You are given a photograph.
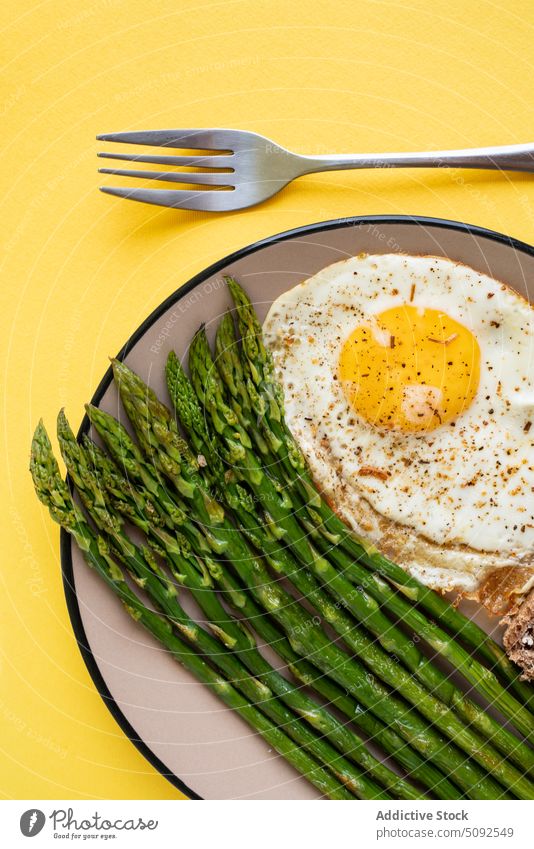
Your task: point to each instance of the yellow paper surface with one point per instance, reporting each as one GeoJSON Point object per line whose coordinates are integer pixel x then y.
{"type": "Point", "coordinates": [82, 270]}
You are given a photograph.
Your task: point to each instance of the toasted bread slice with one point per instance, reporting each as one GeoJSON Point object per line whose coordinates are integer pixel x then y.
{"type": "Point", "coordinates": [518, 638]}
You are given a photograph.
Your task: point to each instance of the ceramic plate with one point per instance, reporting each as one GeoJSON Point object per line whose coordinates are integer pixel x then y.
{"type": "Point", "coordinates": [181, 728]}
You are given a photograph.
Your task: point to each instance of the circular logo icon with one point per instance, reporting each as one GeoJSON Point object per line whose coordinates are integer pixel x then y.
{"type": "Point", "coordinates": [31, 822]}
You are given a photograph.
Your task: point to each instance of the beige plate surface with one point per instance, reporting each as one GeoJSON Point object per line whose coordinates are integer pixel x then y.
{"type": "Point", "coordinates": [180, 726]}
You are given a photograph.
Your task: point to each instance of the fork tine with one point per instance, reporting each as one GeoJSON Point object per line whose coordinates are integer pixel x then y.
{"type": "Point", "coordinates": [201, 161]}
{"type": "Point", "coordinates": [192, 177]}
{"type": "Point", "coordinates": [202, 139]}
{"type": "Point", "coordinates": [175, 198]}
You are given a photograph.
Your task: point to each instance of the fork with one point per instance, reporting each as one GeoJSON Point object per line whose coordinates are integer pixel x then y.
{"type": "Point", "coordinates": [246, 168]}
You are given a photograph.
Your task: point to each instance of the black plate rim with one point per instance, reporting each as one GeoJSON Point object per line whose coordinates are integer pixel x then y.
{"type": "Point", "coordinates": [65, 541]}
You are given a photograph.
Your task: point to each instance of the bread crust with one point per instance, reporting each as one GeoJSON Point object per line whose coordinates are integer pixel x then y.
{"type": "Point", "coordinates": [518, 637]}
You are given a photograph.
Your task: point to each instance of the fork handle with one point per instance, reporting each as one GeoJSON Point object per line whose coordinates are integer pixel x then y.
{"type": "Point", "coordinates": [512, 157]}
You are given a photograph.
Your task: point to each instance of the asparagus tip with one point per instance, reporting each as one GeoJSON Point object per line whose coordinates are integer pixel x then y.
{"type": "Point", "coordinates": [64, 430]}
{"type": "Point", "coordinates": [124, 374]}
{"type": "Point", "coordinates": [94, 413]}
{"type": "Point", "coordinates": [119, 367]}
{"type": "Point", "coordinates": [226, 325]}
{"type": "Point", "coordinates": [40, 441]}
{"type": "Point", "coordinates": [40, 438]}
{"type": "Point", "coordinates": [198, 346]}
{"type": "Point", "coordinates": [239, 296]}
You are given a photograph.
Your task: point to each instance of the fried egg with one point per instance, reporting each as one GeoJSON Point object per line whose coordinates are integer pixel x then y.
{"type": "Point", "coordinates": [408, 386]}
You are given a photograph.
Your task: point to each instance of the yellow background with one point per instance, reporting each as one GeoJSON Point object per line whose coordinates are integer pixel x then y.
{"type": "Point", "coordinates": [81, 270]}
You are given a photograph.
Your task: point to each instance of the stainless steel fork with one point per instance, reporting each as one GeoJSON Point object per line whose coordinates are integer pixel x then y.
{"type": "Point", "coordinates": [252, 168]}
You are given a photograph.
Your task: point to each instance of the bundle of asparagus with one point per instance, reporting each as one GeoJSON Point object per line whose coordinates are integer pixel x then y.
{"type": "Point", "coordinates": [229, 510]}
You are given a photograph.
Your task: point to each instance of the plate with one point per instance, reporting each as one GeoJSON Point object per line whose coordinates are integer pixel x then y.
{"type": "Point", "coordinates": [203, 748]}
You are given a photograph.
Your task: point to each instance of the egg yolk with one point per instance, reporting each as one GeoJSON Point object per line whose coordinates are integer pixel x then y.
{"type": "Point", "coordinates": [410, 369]}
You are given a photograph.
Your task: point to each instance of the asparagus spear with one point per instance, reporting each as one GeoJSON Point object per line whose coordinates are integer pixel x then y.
{"type": "Point", "coordinates": [55, 495]}
{"type": "Point", "coordinates": [157, 433]}
{"type": "Point", "coordinates": [211, 393]}
{"type": "Point", "coordinates": [267, 398]}
{"type": "Point", "coordinates": [128, 457]}
{"type": "Point", "coordinates": [391, 637]}
{"type": "Point", "coordinates": [105, 482]}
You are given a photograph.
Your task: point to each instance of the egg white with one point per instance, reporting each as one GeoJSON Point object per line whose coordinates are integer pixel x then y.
{"type": "Point", "coordinates": [458, 501]}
